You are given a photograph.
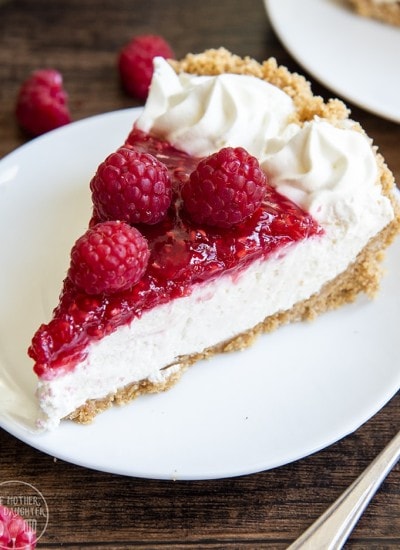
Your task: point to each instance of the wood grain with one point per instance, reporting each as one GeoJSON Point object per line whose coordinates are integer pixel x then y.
{"type": "Point", "coordinates": [96, 510]}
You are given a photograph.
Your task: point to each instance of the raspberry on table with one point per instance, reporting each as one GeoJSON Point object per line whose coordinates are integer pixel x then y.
{"type": "Point", "coordinates": [135, 62]}
{"type": "Point", "coordinates": [226, 188]}
{"type": "Point", "coordinates": [131, 186]}
{"type": "Point", "coordinates": [15, 531]}
{"type": "Point", "coordinates": [109, 257]}
{"type": "Point", "coordinates": [42, 103]}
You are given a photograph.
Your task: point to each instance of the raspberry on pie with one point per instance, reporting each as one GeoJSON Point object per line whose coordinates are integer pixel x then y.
{"type": "Point", "coordinates": [131, 186]}
{"type": "Point", "coordinates": [225, 188]}
{"type": "Point", "coordinates": [110, 257]}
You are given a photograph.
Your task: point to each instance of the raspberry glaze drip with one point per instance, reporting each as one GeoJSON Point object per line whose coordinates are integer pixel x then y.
{"type": "Point", "coordinates": [181, 254]}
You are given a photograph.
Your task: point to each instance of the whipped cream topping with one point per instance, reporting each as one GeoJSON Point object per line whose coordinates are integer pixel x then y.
{"type": "Point", "coordinates": [331, 173]}
{"type": "Point", "coordinates": [202, 114]}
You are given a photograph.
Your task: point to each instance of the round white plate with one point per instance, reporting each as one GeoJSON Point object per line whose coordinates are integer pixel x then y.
{"type": "Point", "coordinates": [356, 57]}
{"type": "Point", "coordinates": [296, 391]}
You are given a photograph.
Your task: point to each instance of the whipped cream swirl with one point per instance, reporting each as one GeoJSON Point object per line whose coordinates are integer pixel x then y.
{"type": "Point", "coordinates": [202, 114]}
{"type": "Point", "coordinates": [330, 172]}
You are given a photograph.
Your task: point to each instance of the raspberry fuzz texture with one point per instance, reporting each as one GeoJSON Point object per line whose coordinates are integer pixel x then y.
{"type": "Point", "coordinates": [14, 531]}
{"type": "Point", "coordinates": [42, 103]}
{"type": "Point", "coordinates": [109, 257]}
{"type": "Point", "coordinates": [226, 188]}
{"type": "Point", "coordinates": [131, 186]}
{"type": "Point", "coordinates": [135, 62]}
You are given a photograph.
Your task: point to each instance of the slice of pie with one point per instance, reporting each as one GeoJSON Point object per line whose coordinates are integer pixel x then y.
{"type": "Point", "coordinates": [207, 283]}
{"type": "Point", "coordinates": [383, 10]}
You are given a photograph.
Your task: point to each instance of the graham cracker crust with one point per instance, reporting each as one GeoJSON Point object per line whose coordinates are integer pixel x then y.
{"type": "Point", "coordinates": [87, 412]}
{"type": "Point", "coordinates": [386, 12]}
{"type": "Point", "coordinates": [363, 276]}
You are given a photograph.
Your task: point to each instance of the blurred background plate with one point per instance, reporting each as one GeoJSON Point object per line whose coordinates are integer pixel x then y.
{"type": "Point", "coordinates": [355, 57]}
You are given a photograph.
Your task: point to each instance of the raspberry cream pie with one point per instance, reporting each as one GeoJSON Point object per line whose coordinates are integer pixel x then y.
{"type": "Point", "coordinates": [239, 202]}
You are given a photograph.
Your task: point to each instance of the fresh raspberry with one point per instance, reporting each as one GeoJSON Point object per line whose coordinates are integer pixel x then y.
{"type": "Point", "coordinates": [131, 186]}
{"type": "Point", "coordinates": [42, 103]}
{"type": "Point", "coordinates": [226, 188]}
{"type": "Point", "coordinates": [14, 531]}
{"type": "Point", "coordinates": [135, 62]}
{"type": "Point", "coordinates": [109, 257]}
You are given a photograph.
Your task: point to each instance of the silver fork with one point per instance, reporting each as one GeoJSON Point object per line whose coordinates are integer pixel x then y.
{"type": "Point", "coordinates": [331, 530]}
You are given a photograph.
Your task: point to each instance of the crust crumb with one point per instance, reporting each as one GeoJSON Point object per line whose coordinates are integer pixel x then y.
{"type": "Point", "coordinates": [386, 12]}
{"type": "Point", "coordinates": [87, 412]}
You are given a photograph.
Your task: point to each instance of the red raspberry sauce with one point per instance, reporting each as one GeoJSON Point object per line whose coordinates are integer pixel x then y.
{"type": "Point", "coordinates": [181, 255]}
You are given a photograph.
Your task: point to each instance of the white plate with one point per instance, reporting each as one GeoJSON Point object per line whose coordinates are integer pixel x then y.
{"type": "Point", "coordinates": [296, 391]}
{"type": "Point", "coordinates": [356, 57]}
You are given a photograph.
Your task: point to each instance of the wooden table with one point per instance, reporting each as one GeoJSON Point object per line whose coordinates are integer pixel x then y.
{"type": "Point", "coordinates": [90, 509]}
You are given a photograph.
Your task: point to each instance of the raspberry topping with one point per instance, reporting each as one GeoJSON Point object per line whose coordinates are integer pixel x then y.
{"type": "Point", "coordinates": [109, 257]}
{"type": "Point", "coordinates": [135, 62]}
{"type": "Point", "coordinates": [14, 531]}
{"type": "Point", "coordinates": [42, 103]}
{"type": "Point", "coordinates": [131, 186]}
{"type": "Point", "coordinates": [225, 189]}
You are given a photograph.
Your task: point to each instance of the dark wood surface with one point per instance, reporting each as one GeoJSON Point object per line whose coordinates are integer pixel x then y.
{"type": "Point", "coordinates": [90, 509]}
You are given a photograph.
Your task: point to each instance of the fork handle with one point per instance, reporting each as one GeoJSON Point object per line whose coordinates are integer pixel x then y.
{"type": "Point", "coordinates": [331, 530]}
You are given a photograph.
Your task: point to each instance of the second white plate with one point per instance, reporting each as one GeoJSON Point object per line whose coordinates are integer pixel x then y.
{"type": "Point", "coordinates": [357, 58]}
